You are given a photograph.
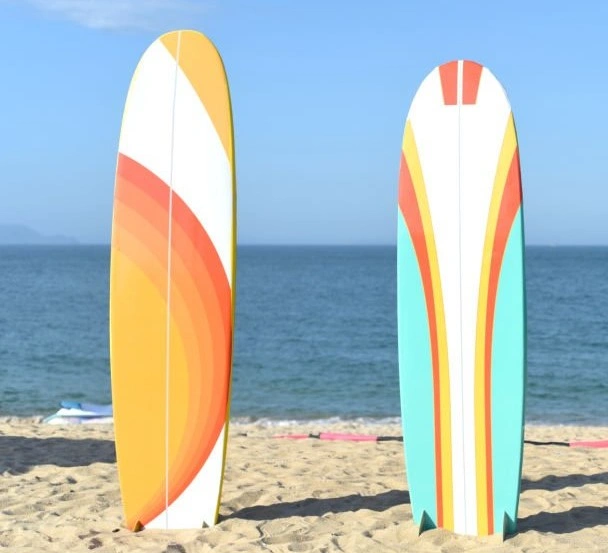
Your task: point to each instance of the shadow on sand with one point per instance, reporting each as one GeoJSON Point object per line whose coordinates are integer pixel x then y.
{"type": "Point", "coordinates": [553, 483]}
{"type": "Point", "coordinates": [318, 507]}
{"type": "Point", "coordinates": [566, 522]}
{"type": "Point", "coordinates": [20, 454]}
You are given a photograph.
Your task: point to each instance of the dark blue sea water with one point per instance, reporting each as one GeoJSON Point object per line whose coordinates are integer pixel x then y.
{"type": "Point", "coordinates": [315, 334]}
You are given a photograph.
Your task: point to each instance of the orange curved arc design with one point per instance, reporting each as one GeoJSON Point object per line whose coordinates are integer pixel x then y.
{"type": "Point", "coordinates": [201, 331]}
{"type": "Point", "coordinates": [196, 52]}
{"type": "Point", "coordinates": [415, 211]}
{"type": "Point", "coordinates": [505, 203]}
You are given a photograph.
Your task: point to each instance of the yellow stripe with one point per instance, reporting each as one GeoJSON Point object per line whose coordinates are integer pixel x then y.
{"type": "Point", "coordinates": [506, 155]}
{"type": "Point", "coordinates": [202, 65]}
{"type": "Point", "coordinates": [233, 314]}
{"type": "Point", "coordinates": [411, 154]}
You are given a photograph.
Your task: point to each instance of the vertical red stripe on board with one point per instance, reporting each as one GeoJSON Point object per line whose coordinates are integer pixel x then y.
{"type": "Point", "coordinates": [410, 210]}
{"type": "Point", "coordinates": [509, 205]}
{"type": "Point", "coordinates": [471, 75]}
{"type": "Point", "coordinates": [448, 72]}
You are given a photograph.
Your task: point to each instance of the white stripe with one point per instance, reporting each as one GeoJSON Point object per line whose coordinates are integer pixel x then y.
{"type": "Point", "coordinates": [461, 526]}
{"type": "Point", "coordinates": [481, 134]}
{"type": "Point", "coordinates": [202, 171]}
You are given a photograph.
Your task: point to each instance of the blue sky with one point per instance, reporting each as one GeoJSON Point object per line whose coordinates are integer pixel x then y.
{"type": "Point", "coordinates": [320, 92]}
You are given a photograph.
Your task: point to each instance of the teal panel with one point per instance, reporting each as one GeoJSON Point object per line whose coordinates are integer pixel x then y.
{"type": "Point", "coordinates": [509, 379]}
{"type": "Point", "coordinates": [415, 379]}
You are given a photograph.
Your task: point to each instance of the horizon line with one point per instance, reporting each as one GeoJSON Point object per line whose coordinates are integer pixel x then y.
{"type": "Point", "coordinates": [304, 244]}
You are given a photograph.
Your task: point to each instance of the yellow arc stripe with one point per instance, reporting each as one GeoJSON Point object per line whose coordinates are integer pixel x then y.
{"type": "Point", "coordinates": [504, 161]}
{"type": "Point", "coordinates": [231, 157]}
{"type": "Point", "coordinates": [411, 154]}
{"type": "Point", "coordinates": [204, 69]}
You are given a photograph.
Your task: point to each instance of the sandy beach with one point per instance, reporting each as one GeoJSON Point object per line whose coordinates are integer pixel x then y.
{"type": "Point", "coordinates": [59, 492]}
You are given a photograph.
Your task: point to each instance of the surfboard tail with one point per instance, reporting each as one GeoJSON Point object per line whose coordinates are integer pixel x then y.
{"type": "Point", "coordinates": [509, 526]}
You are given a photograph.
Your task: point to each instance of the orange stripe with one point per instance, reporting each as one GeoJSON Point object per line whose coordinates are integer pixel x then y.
{"type": "Point", "coordinates": [202, 65]}
{"type": "Point", "coordinates": [408, 204]}
{"type": "Point", "coordinates": [448, 73]}
{"type": "Point", "coordinates": [471, 75]}
{"type": "Point", "coordinates": [510, 203]}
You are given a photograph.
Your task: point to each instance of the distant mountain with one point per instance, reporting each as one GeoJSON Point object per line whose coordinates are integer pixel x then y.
{"type": "Point", "coordinates": [22, 235]}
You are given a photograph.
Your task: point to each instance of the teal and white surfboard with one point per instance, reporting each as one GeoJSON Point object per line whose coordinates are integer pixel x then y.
{"type": "Point", "coordinates": [461, 303]}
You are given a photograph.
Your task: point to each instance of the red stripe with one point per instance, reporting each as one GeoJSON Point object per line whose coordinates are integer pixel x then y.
{"type": "Point", "coordinates": [509, 205]}
{"type": "Point", "coordinates": [144, 179]}
{"type": "Point", "coordinates": [448, 72]}
{"type": "Point", "coordinates": [410, 210]}
{"type": "Point", "coordinates": [471, 75]}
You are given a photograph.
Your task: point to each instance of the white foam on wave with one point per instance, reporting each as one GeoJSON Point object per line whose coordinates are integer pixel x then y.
{"type": "Point", "coordinates": [264, 422]}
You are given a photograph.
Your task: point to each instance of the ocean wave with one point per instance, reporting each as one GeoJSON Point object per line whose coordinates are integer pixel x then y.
{"type": "Point", "coordinates": [267, 422]}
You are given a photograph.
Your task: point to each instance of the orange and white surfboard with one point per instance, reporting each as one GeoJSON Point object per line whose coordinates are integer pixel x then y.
{"type": "Point", "coordinates": [172, 285]}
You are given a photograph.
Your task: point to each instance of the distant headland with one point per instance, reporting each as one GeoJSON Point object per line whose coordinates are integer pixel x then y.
{"type": "Point", "coordinates": [23, 235]}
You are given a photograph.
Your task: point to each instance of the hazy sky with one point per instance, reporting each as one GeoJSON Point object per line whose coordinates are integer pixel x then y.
{"type": "Point", "coordinates": [320, 92]}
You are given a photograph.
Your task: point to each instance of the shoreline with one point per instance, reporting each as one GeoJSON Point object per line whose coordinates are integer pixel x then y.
{"type": "Point", "coordinates": [266, 422]}
{"type": "Point", "coordinates": [60, 492]}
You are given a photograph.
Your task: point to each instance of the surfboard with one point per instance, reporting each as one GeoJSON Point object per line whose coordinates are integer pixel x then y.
{"type": "Point", "coordinates": [461, 303]}
{"type": "Point", "coordinates": [172, 281]}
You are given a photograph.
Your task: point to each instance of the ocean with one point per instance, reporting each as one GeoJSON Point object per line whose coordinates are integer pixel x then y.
{"type": "Point", "coordinates": [316, 332]}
